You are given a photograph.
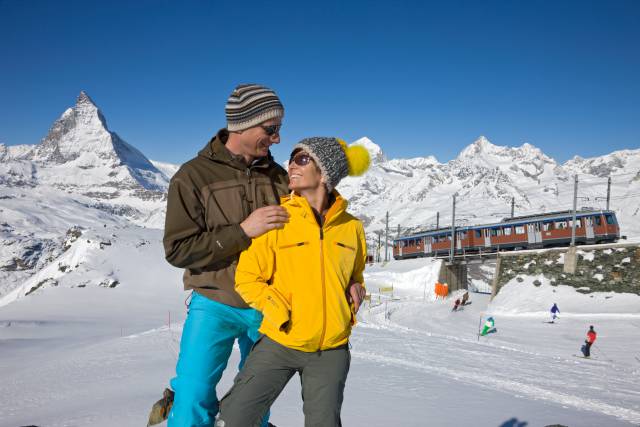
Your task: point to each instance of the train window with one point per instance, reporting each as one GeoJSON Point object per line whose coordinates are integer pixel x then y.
{"type": "Point", "coordinates": [598, 220]}
{"type": "Point", "coordinates": [520, 229]}
{"type": "Point", "coordinates": [560, 225]}
{"type": "Point", "coordinates": [609, 219]}
{"type": "Point", "coordinates": [507, 231]}
{"type": "Point", "coordinates": [478, 234]}
{"type": "Point", "coordinates": [546, 226]}
{"type": "Point", "coordinates": [499, 232]}
{"type": "Point", "coordinates": [494, 232]}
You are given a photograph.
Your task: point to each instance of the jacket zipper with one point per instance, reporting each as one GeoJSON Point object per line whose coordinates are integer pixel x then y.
{"type": "Point", "coordinates": [324, 291]}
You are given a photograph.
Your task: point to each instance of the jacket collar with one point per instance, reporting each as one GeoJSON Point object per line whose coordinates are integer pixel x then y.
{"type": "Point", "coordinates": [300, 204]}
{"type": "Point", "coordinates": [217, 151]}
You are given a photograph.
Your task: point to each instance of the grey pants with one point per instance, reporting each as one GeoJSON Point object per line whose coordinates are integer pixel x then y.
{"type": "Point", "coordinates": [267, 371]}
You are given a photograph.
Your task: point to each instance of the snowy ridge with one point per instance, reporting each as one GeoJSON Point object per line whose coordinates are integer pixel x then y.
{"type": "Point", "coordinates": [489, 176]}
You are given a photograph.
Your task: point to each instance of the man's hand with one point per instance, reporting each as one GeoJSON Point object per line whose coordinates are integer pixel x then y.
{"type": "Point", "coordinates": [356, 293]}
{"type": "Point", "coordinates": [264, 219]}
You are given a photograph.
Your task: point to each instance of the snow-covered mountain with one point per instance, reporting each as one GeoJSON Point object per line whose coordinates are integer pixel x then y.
{"type": "Point", "coordinates": [81, 155]}
{"type": "Point", "coordinates": [486, 178]}
{"type": "Point", "coordinates": [82, 179]}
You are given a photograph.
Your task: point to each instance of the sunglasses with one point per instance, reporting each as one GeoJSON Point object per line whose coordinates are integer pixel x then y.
{"type": "Point", "coordinates": [271, 129]}
{"type": "Point", "coordinates": [301, 159]}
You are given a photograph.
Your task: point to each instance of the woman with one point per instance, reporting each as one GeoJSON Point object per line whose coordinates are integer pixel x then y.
{"type": "Point", "coordinates": [297, 277]}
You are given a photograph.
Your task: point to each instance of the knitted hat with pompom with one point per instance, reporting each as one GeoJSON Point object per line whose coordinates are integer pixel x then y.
{"type": "Point", "coordinates": [335, 158]}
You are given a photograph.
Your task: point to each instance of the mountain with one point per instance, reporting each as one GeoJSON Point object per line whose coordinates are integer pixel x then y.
{"type": "Point", "coordinates": [68, 202]}
{"type": "Point", "coordinates": [80, 178]}
{"type": "Point", "coordinates": [486, 178]}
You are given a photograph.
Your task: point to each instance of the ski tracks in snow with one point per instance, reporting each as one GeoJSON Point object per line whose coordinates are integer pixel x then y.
{"type": "Point", "coordinates": [519, 372]}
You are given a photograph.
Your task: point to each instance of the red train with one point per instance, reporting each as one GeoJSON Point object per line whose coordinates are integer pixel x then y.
{"type": "Point", "coordinates": [525, 232]}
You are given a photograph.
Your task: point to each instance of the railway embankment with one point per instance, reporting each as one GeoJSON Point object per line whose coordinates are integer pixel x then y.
{"type": "Point", "coordinates": [594, 268]}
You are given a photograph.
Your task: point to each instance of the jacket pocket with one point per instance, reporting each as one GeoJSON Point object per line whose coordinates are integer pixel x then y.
{"type": "Point", "coordinates": [344, 245]}
{"type": "Point", "coordinates": [292, 245]}
{"type": "Point", "coordinates": [226, 204]}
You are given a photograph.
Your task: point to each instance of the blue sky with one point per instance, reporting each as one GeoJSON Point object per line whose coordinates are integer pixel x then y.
{"type": "Point", "coordinates": [418, 78]}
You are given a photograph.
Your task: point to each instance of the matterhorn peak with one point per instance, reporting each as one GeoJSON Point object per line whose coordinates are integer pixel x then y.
{"type": "Point", "coordinates": [83, 98]}
{"type": "Point", "coordinates": [80, 129]}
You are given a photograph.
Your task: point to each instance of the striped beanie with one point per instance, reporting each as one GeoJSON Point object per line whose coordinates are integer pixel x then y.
{"type": "Point", "coordinates": [335, 158]}
{"type": "Point", "coordinates": [252, 104]}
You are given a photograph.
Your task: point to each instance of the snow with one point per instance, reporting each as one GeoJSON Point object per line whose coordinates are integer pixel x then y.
{"type": "Point", "coordinates": [100, 356]}
{"type": "Point", "coordinates": [524, 298]}
{"type": "Point", "coordinates": [587, 255]}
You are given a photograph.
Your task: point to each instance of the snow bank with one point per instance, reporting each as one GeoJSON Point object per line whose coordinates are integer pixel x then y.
{"type": "Point", "coordinates": [535, 295]}
{"type": "Point", "coordinates": [415, 277]}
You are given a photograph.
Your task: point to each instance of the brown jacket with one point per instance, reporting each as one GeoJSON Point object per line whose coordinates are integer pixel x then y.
{"type": "Point", "coordinates": [209, 197]}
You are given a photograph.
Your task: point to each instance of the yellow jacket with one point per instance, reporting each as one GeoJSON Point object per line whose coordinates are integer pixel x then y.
{"type": "Point", "coordinates": [298, 276]}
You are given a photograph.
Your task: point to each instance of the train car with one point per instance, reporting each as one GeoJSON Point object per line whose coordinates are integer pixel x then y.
{"type": "Point", "coordinates": [525, 232]}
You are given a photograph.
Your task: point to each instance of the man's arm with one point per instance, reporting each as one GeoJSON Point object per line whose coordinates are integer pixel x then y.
{"type": "Point", "coordinates": [187, 243]}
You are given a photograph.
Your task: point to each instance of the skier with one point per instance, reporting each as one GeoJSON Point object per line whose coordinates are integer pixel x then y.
{"type": "Point", "coordinates": [465, 299]}
{"type": "Point", "coordinates": [489, 327]}
{"type": "Point", "coordinates": [456, 305]}
{"type": "Point", "coordinates": [591, 338]}
{"type": "Point", "coordinates": [554, 312]}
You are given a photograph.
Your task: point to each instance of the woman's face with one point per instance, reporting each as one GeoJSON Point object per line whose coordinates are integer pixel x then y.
{"type": "Point", "coordinates": [304, 174]}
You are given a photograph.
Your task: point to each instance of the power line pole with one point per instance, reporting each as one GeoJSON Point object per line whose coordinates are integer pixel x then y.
{"type": "Point", "coordinates": [608, 192]}
{"type": "Point", "coordinates": [453, 229]}
{"type": "Point", "coordinates": [386, 240]}
{"type": "Point", "coordinates": [575, 206]}
{"type": "Point", "coordinates": [437, 220]}
{"type": "Point", "coordinates": [513, 205]}
{"type": "Point", "coordinates": [398, 234]}
{"type": "Point", "coordinates": [379, 233]}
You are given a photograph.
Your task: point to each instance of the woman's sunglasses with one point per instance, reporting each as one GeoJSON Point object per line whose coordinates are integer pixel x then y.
{"type": "Point", "coordinates": [301, 159]}
{"type": "Point", "coordinates": [271, 129]}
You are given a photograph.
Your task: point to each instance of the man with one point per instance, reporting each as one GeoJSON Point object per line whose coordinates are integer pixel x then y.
{"type": "Point", "coordinates": [217, 203]}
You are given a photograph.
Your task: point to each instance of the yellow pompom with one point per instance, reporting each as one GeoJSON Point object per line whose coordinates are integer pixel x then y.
{"type": "Point", "coordinates": [358, 159]}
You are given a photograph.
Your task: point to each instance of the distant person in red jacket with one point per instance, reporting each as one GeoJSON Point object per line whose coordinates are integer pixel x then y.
{"type": "Point", "coordinates": [456, 305]}
{"type": "Point", "coordinates": [591, 338]}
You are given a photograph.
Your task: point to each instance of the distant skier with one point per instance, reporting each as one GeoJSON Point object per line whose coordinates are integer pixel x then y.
{"type": "Point", "coordinates": [456, 305]}
{"type": "Point", "coordinates": [591, 338]}
{"type": "Point", "coordinates": [465, 299]}
{"type": "Point", "coordinates": [489, 327]}
{"type": "Point", "coordinates": [554, 312]}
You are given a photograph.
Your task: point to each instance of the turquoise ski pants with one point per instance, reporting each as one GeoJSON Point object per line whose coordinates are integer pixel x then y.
{"type": "Point", "coordinates": [208, 335]}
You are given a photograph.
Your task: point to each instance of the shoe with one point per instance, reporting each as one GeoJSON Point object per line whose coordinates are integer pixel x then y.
{"type": "Point", "coordinates": [160, 410]}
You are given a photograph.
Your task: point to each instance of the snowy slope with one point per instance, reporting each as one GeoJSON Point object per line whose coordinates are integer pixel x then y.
{"type": "Point", "coordinates": [101, 356]}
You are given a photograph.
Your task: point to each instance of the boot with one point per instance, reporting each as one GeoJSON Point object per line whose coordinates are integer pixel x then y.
{"type": "Point", "coordinates": [160, 410]}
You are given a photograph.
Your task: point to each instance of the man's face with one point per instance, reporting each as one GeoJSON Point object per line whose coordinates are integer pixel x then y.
{"type": "Point", "coordinates": [256, 140]}
{"type": "Point", "coordinates": [303, 173]}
